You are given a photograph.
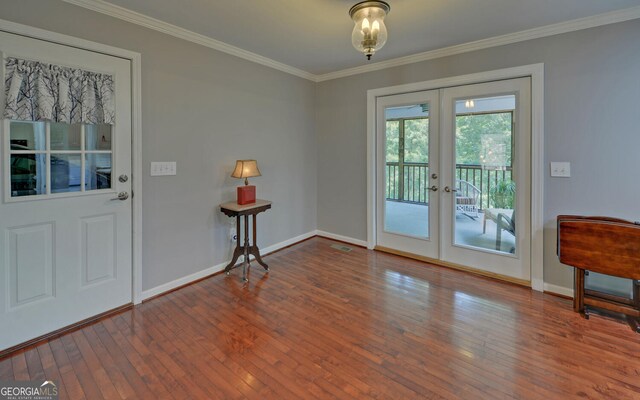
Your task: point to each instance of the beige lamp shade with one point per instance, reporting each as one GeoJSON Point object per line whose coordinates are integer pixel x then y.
{"type": "Point", "coordinates": [246, 169]}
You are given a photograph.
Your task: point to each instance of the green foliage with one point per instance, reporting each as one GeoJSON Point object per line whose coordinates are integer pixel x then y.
{"type": "Point", "coordinates": [484, 139]}
{"type": "Point", "coordinates": [416, 140]}
{"type": "Point", "coordinates": [393, 140]}
{"type": "Point", "coordinates": [502, 195]}
{"type": "Point", "coordinates": [480, 139]}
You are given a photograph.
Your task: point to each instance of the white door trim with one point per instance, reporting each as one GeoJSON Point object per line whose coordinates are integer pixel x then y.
{"type": "Point", "coordinates": [536, 72]}
{"type": "Point", "coordinates": [136, 128]}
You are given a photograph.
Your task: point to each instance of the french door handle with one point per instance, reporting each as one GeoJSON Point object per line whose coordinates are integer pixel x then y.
{"type": "Point", "coordinates": [122, 196]}
{"type": "Point", "coordinates": [449, 190]}
{"type": "Point", "coordinates": [433, 188]}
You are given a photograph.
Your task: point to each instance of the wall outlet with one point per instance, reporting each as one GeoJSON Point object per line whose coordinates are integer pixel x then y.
{"type": "Point", "coordinates": [561, 169]}
{"type": "Point", "coordinates": [164, 168]}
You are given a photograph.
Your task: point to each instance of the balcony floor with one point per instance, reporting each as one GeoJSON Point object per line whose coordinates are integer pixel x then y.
{"type": "Point", "coordinates": [412, 219]}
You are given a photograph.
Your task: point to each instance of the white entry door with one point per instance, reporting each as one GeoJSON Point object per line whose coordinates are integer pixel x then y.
{"type": "Point", "coordinates": [65, 243]}
{"type": "Point", "coordinates": [453, 176]}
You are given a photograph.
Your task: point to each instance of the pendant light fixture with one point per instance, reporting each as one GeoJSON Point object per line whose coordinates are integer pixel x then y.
{"type": "Point", "coordinates": [369, 33]}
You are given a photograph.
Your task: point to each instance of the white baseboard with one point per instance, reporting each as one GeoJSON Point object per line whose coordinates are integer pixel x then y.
{"type": "Point", "coordinates": [287, 242]}
{"type": "Point", "coordinates": [347, 239]}
{"type": "Point", "coordinates": [548, 287]}
{"type": "Point", "coordinates": [537, 284]}
{"type": "Point", "coordinates": [146, 294]}
{"type": "Point", "coordinates": [217, 268]}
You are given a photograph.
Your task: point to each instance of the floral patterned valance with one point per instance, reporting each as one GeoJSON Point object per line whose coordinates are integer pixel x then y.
{"type": "Point", "coordinates": [36, 91]}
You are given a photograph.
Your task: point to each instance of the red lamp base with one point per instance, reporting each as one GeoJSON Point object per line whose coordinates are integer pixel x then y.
{"type": "Point", "coordinates": [246, 194]}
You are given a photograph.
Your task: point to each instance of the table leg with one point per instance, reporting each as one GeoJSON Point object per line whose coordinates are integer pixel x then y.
{"type": "Point", "coordinates": [635, 322]}
{"type": "Point", "coordinates": [246, 246]}
{"type": "Point", "coordinates": [254, 249]}
{"type": "Point", "coordinates": [237, 251]}
{"type": "Point", "coordinates": [578, 295]}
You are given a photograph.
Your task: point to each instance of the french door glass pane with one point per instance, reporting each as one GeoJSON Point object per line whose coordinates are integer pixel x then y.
{"type": "Point", "coordinates": [485, 187]}
{"type": "Point", "coordinates": [66, 173]}
{"type": "Point", "coordinates": [407, 170]}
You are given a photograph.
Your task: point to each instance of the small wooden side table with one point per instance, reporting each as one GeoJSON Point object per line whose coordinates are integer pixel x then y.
{"type": "Point", "coordinates": [233, 209]}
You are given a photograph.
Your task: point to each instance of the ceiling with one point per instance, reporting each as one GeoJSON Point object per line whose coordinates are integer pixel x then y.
{"type": "Point", "coordinates": [315, 35]}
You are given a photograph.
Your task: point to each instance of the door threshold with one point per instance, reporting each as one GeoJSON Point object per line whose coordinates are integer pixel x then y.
{"type": "Point", "coordinates": [440, 263]}
{"type": "Point", "coordinates": [59, 332]}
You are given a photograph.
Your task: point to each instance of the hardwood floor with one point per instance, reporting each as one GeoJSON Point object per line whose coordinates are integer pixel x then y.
{"type": "Point", "coordinates": [327, 324]}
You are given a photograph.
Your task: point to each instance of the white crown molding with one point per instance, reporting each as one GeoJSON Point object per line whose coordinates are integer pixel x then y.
{"type": "Point", "coordinates": [125, 14]}
{"type": "Point", "coordinates": [173, 30]}
{"type": "Point", "coordinates": [535, 33]}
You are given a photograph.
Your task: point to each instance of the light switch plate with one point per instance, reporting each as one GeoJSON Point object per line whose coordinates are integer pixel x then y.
{"type": "Point", "coordinates": [561, 169]}
{"type": "Point", "coordinates": [163, 168]}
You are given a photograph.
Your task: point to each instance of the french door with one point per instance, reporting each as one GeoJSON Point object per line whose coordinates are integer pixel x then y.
{"type": "Point", "coordinates": [453, 176]}
{"type": "Point", "coordinates": [407, 137]}
{"type": "Point", "coordinates": [65, 208]}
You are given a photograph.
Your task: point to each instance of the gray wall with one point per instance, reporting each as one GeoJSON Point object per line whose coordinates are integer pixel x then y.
{"type": "Point", "coordinates": [203, 109]}
{"type": "Point", "coordinates": [592, 97]}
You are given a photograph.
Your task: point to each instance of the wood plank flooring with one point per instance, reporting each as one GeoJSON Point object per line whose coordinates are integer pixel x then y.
{"type": "Point", "coordinates": [325, 324]}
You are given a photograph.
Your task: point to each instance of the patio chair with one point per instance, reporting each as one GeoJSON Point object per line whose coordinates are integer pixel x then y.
{"type": "Point", "coordinates": [467, 199]}
{"type": "Point", "coordinates": [504, 223]}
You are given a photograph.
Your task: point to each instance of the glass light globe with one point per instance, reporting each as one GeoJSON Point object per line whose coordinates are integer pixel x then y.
{"type": "Point", "coordinates": [369, 33]}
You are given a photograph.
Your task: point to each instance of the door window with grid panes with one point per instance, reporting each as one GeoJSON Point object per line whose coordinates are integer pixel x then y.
{"type": "Point", "coordinates": [49, 159]}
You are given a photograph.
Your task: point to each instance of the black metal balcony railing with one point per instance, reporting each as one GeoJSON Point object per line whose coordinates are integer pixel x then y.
{"type": "Point", "coordinates": [414, 187]}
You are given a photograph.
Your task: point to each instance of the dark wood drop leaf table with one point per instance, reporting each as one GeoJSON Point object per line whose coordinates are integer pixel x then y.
{"type": "Point", "coordinates": [609, 246]}
{"type": "Point", "coordinates": [233, 209]}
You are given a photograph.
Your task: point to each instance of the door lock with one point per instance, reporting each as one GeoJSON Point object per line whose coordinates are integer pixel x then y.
{"type": "Point", "coordinates": [434, 176]}
{"type": "Point", "coordinates": [123, 178]}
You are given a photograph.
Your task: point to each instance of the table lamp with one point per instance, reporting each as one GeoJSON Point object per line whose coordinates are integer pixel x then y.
{"type": "Point", "coordinates": [246, 169]}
